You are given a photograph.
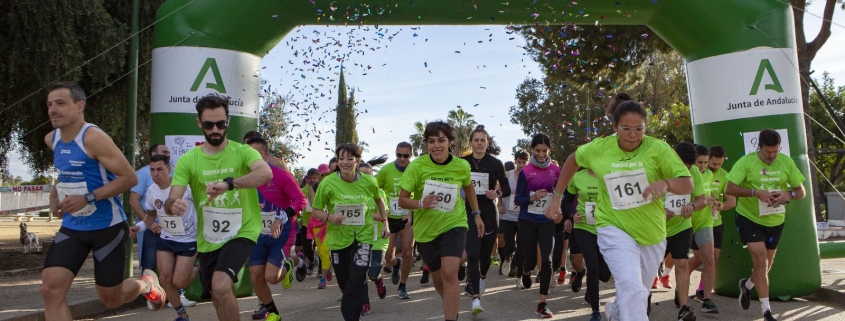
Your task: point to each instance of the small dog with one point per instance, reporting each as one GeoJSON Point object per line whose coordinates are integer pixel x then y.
{"type": "Point", "coordinates": [28, 239]}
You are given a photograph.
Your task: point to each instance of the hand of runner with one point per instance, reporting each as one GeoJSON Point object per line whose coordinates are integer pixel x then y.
{"type": "Point", "coordinates": [656, 190]}
{"type": "Point", "coordinates": [567, 226]}
{"type": "Point", "coordinates": [276, 228]}
{"type": "Point", "coordinates": [781, 197]}
{"type": "Point", "coordinates": [385, 230]}
{"type": "Point", "coordinates": [408, 219]}
{"type": "Point", "coordinates": [430, 201]}
{"type": "Point", "coordinates": [72, 203]}
{"type": "Point", "coordinates": [501, 208]}
{"type": "Point", "coordinates": [155, 228]}
{"type": "Point", "coordinates": [764, 196]}
{"type": "Point", "coordinates": [553, 210]}
{"type": "Point", "coordinates": [718, 205]}
{"type": "Point", "coordinates": [686, 210]}
{"type": "Point", "coordinates": [491, 194]}
{"type": "Point", "coordinates": [538, 195]}
{"type": "Point", "coordinates": [214, 189]}
{"type": "Point", "coordinates": [669, 214]}
{"type": "Point", "coordinates": [133, 231]}
{"type": "Point", "coordinates": [179, 207]}
{"type": "Point", "coordinates": [577, 218]}
{"type": "Point", "coordinates": [336, 219]}
{"type": "Point", "coordinates": [479, 224]}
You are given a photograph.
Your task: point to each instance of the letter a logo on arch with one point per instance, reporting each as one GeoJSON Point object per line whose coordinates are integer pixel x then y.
{"type": "Point", "coordinates": [766, 66]}
{"type": "Point", "coordinates": [210, 64]}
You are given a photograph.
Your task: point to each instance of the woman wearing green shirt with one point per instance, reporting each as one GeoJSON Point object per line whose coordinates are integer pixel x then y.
{"type": "Point", "coordinates": [635, 172]}
{"type": "Point", "coordinates": [440, 219]}
{"type": "Point", "coordinates": [349, 233]}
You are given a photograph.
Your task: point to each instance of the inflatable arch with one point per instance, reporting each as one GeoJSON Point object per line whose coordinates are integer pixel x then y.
{"type": "Point", "coordinates": [741, 70]}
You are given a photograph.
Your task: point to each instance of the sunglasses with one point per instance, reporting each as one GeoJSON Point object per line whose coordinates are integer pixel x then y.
{"type": "Point", "coordinates": [207, 125]}
{"type": "Point", "coordinates": [398, 155]}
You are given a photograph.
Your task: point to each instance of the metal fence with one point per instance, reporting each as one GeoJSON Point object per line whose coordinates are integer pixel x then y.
{"type": "Point", "coordinates": [23, 199]}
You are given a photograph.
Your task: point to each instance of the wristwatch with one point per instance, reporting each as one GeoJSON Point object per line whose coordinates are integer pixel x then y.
{"type": "Point", "coordinates": [791, 194]}
{"type": "Point", "coordinates": [231, 182]}
{"type": "Point", "coordinates": [90, 198]}
{"type": "Point", "coordinates": [476, 213]}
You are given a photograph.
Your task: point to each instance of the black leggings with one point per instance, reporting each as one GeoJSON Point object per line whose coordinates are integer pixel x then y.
{"type": "Point", "coordinates": [510, 250]}
{"type": "Point", "coordinates": [557, 251]}
{"type": "Point", "coordinates": [529, 235]}
{"type": "Point", "coordinates": [478, 249]}
{"type": "Point", "coordinates": [350, 268]}
{"type": "Point", "coordinates": [596, 266]}
{"type": "Point", "coordinates": [307, 245]}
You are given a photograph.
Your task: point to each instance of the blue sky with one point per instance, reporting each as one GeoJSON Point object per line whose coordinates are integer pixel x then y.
{"type": "Point", "coordinates": [412, 79]}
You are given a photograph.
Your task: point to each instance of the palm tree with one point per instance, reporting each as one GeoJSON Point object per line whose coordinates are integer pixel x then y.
{"type": "Point", "coordinates": [463, 123]}
{"type": "Point", "coordinates": [418, 139]}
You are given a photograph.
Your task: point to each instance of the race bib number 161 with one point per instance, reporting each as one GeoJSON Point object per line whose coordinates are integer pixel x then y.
{"type": "Point", "coordinates": [626, 189]}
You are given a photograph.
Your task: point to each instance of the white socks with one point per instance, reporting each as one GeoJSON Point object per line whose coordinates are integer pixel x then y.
{"type": "Point", "coordinates": [750, 285]}
{"type": "Point", "coordinates": [667, 271]}
{"type": "Point", "coordinates": [764, 303]}
{"type": "Point", "coordinates": [301, 262]}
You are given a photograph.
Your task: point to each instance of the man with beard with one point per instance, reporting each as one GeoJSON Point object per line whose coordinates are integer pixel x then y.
{"type": "Point", "coordinates": [223, 175]}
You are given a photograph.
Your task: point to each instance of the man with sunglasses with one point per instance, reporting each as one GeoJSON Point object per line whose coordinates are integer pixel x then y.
{"type": "Point", "coordinates": [223, 175]}
{"type": "Point", "coordinates": [399, 219]}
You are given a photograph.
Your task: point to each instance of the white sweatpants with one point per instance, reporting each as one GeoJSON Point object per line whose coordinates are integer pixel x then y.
{"type": "Point", "coordinates": [633, 280]}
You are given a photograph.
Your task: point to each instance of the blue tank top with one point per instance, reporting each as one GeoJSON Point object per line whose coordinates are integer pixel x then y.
{"type": "Point", "coordinates": [79, 175]}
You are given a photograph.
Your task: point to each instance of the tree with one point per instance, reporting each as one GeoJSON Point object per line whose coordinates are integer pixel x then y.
{"type": "Point", "coordinates": [806, 53]}
{"type": "Point", "coordinates": [673, 125]}
{"type": "Point", "coordinates": [81, 42]}
{"type": "Point", "coordinates": [829, 139]}
{"type": "Point", "coordinates": [417, 139]}
{"type": "Point", "coordinates": [346, 120]}
{"type": "Point", "coordinates": [38, 180]}
{"type": "Point", "coordinates": [463, 123]}
{"type": "Point", "coordinates": [274, 124]}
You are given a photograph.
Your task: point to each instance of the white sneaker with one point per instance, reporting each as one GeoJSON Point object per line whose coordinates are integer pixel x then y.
{"type": "Point", "coordinates": [150, 306]}
{"type": "Point", "coordinates": [481, 286]}
{"type": "Point", "coordinates": [519, 285]}
{"type": "Point", "coordinates": [608, 310]}
{"type": "Point", "coordinates": [476, 306]}
{"type": "Point", "coordinates": [185, 302]}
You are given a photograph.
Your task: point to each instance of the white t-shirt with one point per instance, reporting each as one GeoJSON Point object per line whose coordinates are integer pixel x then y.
{"type": "Point", "coordinates": [155, 198]}
{"type": "Point", "coordinates": [511, 211]}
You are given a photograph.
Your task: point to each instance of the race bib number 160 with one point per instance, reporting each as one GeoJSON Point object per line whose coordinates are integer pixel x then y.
{"type": "Point", "coordinates": [447, 194]}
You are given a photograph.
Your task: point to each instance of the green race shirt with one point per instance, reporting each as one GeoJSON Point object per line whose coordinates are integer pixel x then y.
{"type": "Point", "coordinates": [380, 243]}
{"type": "Point", "coordinates": [678, 223]}
{"type": "Point", "coordinates": [334, 191]}
{"type": "Point", "coordinates": [586, 187]}
{"type": "Point", "coordinates": [751, 172]}
{"type": "Point", "coordinates": [389, 178]}
{"type": "Point", "coordinates": [644, 222]}
{"type": "Point", "coordinates": [704, 217]}
{"type": "Point", "coordinates": [452, 177]}
{"type": "Point", "coordinates": [230, 215]}
{"type": "Point", "coordinates": [719, 185]}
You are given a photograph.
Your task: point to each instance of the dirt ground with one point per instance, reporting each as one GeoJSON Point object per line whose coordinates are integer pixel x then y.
{"type": "Point", "coordinates": [11, 250]}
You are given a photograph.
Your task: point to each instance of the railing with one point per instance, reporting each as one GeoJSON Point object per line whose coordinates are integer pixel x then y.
{"type": "Point", "coordinates": [23, 199]}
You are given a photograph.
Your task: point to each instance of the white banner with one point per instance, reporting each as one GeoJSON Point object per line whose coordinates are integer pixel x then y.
{"type": "Point", "coordinates": [750, 141]}
{"type": "Point", "coordinates": [182, 75]}
{"type": "Point", "coordinates": [751, 83]}
{"type": "Point", "coordinates": [181, 144]}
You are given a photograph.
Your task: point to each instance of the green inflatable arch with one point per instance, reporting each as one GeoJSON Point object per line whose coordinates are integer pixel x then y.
{"type": "Point", "coordinates": [741, 65]}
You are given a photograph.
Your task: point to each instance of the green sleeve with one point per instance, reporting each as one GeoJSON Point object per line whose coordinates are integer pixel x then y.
{"type": "Point", "coordinates": [380, 177]}
{"type": "Point", "coordinates": [250, 155]}
{"type": "Point", "coordinates": [697, 182]}
{"type": "Point", "coordinates": [581, 152]}
{"type": "Point", "coordinates": [795, 176]}
{"type": "Point", "coordinates": [671, 165]}
{"type": "Point", "coordinates": [321, 199]}
{"type": "Point", "coordinates": [737, 173]}
{"type": "Point", "coordinates": [182, 173]}
{"type": "Point", "coordinates": [409, 178]}
{"type": "Point", "coordinates": [373, 188]}
{"type": "Point", "coordinates": [465, 169]}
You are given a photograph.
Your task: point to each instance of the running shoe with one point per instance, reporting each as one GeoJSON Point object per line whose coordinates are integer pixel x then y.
{"type": "Point", "coordinates": [476, 306]}
{"type": "Point", "coordinates": [578, 280]}
{"type": "Point", "coordinates": [543, 311]}
{"type": "Point", "coordinates": [519, 285]}
{"type": "Point", "coordinates": [261, 314]}
{"type": "Point", "coordinates": [513, 271]}
{"type": "Point", "coordinates": [707, 306]}
{"type": "Point", "coordinates": [537, 278]}
{"type": "Point", "coordinates": [526, 280]}
{"type": "Point", "coordinates": [311, 267]}
{"type": "Point", "coordinates": [768, 316]}
{"type": "Point", "coordinates": [402, 293]}
{"type": "Point", "coordinates": [322, 284]}
{"type": "Point", "coordinates": [156, 296]}
{"type": "Point", "coordinates": [185, 301]}
{"type": "Point", "coordinates": [595, 316]}
{"type": "Point", "coordinates": [424, 278]}
{"type": "Point", "coordinates": [686, 314]}
{"type": "Point", "coordinates": [494, 260]}
{"type": "Point", "coordinates": [388, 268]}
{"type": "Point", "coordinates": [462, 272]}
{"type": "Point", "coordinates": [340, 297]}
{"type": "Point", "coordinates": [699, 296]}
{"type": "Point", "coordinates": [665, 282]}
{"type": "Point", "coordinates": [654, 285]}
{"type": "Point", "coordinates": [744, 295]}
{"type": "Point", "coordinates": [302, 270]}
{"type": "Point", "coordinates": [561, 277]}
{"type": "Point", "coordinates": [150, 306]}
{"type": "Point", "coordinates": [608, 310]}
{"type": "Point", "coordinates": [287, 279]}
{"type": "Point", "coordinates": [365, 309]}
{"type": "Point", "coordinates": [185, 319]}
{"type": "Point", "coordinates": [395, 274]}
{"type": "Point", "coordinates": [274, 317]}
{"type": "Point", "coordinates": [329, 274]}
{"type": "Point", "coordinates": [501, 267]}
{"type": "Point", "coordinates": [380, 288]}
{"type": "Point", "coordinates": [481, 285]}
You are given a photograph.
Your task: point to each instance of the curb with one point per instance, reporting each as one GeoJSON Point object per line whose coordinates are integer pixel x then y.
{"type": "Point", "coordinates": [85, 309]}
{"type": "Point", "coordinates": [18, 271]}
{"type": "Point", "coordinates": [829, 297]}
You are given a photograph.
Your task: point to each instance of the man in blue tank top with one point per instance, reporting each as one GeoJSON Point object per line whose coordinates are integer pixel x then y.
{"type": "Point", "coordinates": [92, 175]}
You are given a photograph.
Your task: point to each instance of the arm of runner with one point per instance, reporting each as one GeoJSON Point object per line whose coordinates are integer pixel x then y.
{"type": "Point", "coordinates": [736, 190]}
{"type": "Point", "coordinates": [570, 167]}
{"type": "Point", "coordinates": [502, 179]}
{"type": "Point", "coordinates": [729, 203]}
{"type": "Point", "coordinates": [469, 190]}
{"type": "Point", "coordinates": [54, 203]}
{"type": "Point", "coordinates": [175, 205]}
{"type": "Point", "coordinates": [291, 189]}
{"type": "Point", "coordinates": [135, 203]}
{"type": "Point", "coordinates": [278, 162]}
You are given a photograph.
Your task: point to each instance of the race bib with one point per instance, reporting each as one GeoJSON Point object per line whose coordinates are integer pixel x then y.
{"type": "Point", "coordinates": [714, 212]}
{"type": "Point", "coordinates": [590, 212]}
{"type": "Point", "coordinates": [481, 182]}
{"type": "Point", "coordinates": [539, 207]}
{"type": "Point", "coordinates": [675, 202]}
{"type": "Point", "coordinates": [447, 194]}
{"type": "Point", "coordinates": [353, 214]}
{"type": "Point", "coordinates": [73, 189]}
{"type": "Point", "coordinates": [766, 209]}
{"type": "Point", "coordinates": [626, 189]}
{"type": "Point", "coordinates": [267, 219]}
{"type": "Point", "coordinates": [172, 224]}
{"type": "Point", "coordinates": [221, 224]}
{"type": "Point", "coordinates": [307, 205]}
{"type": "Point", "coordinates": [395, 209]}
